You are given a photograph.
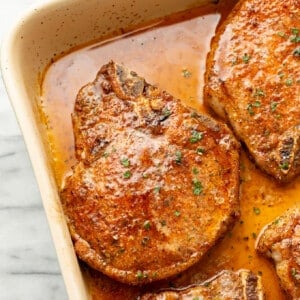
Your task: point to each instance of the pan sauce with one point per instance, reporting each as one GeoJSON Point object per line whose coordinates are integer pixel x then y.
{"type": "Point", "coordinates": [170, 53]}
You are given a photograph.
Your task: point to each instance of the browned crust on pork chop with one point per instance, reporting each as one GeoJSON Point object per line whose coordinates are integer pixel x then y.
{"type": "Point", "coordinates": [227, 285]}
{"type": "Point", "coordinates": [253, 81]}
{"type": "Point", "coordinates": [156, 183]}
{"type": "Point", "coordinates": [280, 240]}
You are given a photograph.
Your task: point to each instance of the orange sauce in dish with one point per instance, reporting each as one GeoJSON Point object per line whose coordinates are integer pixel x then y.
{"type": "Point", "coordinates": [171, 54]}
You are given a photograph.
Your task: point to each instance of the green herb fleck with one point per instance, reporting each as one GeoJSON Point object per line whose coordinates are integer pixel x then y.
{"type": "Point", "coordinates": [274, 105]}
{"type": "Point", "coordinates": [281, 34]}
{"type": "Point", "coordinates": [127, 174]}
{"type": "Point", "coordinates": [105, 154]}
{"type": "Point", "coordinates": [259, 93]}
{"type": "Point", "coordinates": [195, 171]}
{"type": "Point", "coordinates": [166, 112]}
{"type": "Point", "coordinates": [177, 213]}
{"type": "Point", "coordinates": [200, 151]}
{"type": "Point", "coordinates": [281, 75]}
{"type": "Point", "coordinates": [284, 166]}
{"type": "Point", "coordinates": [197, 187]}
{"type": "Point", "coordinates": [163, 223]}
{"type": "Point", "coordinates": [125, 162]}
{"type": "Point", "coordinates": [178, 157]}
{"type": "Point", "coordinates": [256, 104]}
{"type": "Point", "coordinates": [295, 39]}
{"type": "Point", "coordinates": [276, 222]}
{"type": "Point", "coordinates": [196, 136]}
{"type": "Point", "coordinates": [194, 114]}
{"type": "Point", "coordinates": [246, 58]}
{"type": "Point", "coordinates": [256, 210]}
{"type": "Point", "coordinates": [157, 189]}
{"type": "Point", "coordinates": [296, 52]}
{"type": "Point", "coordinates": [295, 31]}
{"type": "Point", "coordinates": [250, 109]}
{"type": "Point", "coordinates": [206, 284]}
{"type": "Point", "coordinates": [294, 273]}
{"type": "Point", "coordinates": [289, 82]}
{"type": "Point", "coordinates": [147, 225]}
{"type": "Point", "coordinates": [254, 235]}
{"type": "Point", "coordinates": [139, 275]}
{"type": "Point", "coordinates": [186, 73]}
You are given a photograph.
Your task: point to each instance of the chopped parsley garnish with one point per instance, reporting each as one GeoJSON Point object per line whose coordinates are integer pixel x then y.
{"type": "Point", "coordinates": [186, 73]}
{"type": "Point", "coordinates": [295, 31]}
{"type": "Point", "coordinates": [127, 174]}
{"type": "Point", "coordinates": [289, 82]}
{"type": "Point", "coordinates": [295, 39]}
{"type": "Point", "coordinates": [125, 162]}
{"type": "Point", "coordinates": [246, 58]}
{"type": "Point", "coordinates": [251, 105]}
{"type": "Point", "coordinates": [256, 210]}
{"type": "Point", "coordinates": [281, 34]}
{"type": "Point", "coordinates": [177, 213]}
{"type": "Point", "coordinates": [178, 157]}
{"type": "Point", "coordinates": [194, 114]}
{"type": "Point", "coordinates": [284, 166]}
{"type": "Point", "coordinates": [296, 52]}
{"type": "Point", "coordinates": [254, 235]}
{"type": "Point", "coordinates": [196, 136]}
{"type": "Point", "coordinates": [259, 93]}
{"type": "Point", "coordinates": [195, 171]}
{"type": "Point", "coordinates": [105, 154]}
{"type": "Point", "coordinates": [293, 272]}
{"type": "Point", "coordinates": [166, 112]}
{"type": "Point", "coordinates": [147, 225]}
{"type": "Point", "coordinates": [197, 187]}
{"type": "Point", "coordinates": [163, 223]}
{"type": "Point", "coordinates": [200, 151]}
{"type": "Point", "coordinates": [274, 105]}
{"type": "Point", "coordinates": [157, 189]}
{"type": "Point", "coordinates": [139, 275]}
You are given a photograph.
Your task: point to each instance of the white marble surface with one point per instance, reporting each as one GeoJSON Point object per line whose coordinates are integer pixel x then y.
{"type": "Point", "coordinates": [28, 263]}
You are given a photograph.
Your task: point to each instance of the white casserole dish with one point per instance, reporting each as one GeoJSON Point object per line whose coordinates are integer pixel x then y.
{"type": "Point", "coordinates": [44, 32]}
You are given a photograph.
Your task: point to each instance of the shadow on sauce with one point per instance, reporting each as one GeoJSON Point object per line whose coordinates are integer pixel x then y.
{"type": "Point", "coordinates": [170, 53]}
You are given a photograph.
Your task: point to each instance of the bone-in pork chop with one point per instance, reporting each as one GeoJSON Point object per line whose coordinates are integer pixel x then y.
{"type": "Point", "coordinates": [280, 241]}
{"type": "Point", "coordinates": [253, 81]}
{"type": "Point", "coordinates": [227, 285]}
{"type": "Point", "coordinates": [156, 184]}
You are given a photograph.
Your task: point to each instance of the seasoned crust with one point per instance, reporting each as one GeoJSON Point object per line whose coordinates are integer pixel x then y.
{"type": "Point", "coordinates": [253, 81]}
{"type": "Point", "coordinates": [156, 184]}
{"type": "Point", "coordinates": [280, 240]}
{"type": "Point", "coordinates": [227, 285]}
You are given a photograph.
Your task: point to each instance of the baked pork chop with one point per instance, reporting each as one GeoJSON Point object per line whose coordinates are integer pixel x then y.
{"type": "Point", "coordinates": [156, 184]}
{"type": "Point", "coordinates": [280, 241]}
{"type": "Point", "coordinates": [227, 285]}
{"type": "Point", "coordinates": [253, 81]}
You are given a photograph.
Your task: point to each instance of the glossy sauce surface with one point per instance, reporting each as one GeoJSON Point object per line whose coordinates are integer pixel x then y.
{"type": "Point", "coordinates": [171, 53]}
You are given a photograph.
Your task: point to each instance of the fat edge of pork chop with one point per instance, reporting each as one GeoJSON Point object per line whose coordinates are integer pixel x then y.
{"type": "Point", "coordinates": [253, 81]}
{"type": "Point", "coordinates": [280, 240]}
{"type": "Point", "coordinates": [227, 285]}
{"type": "Point", "coordinates": [156, 184]}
